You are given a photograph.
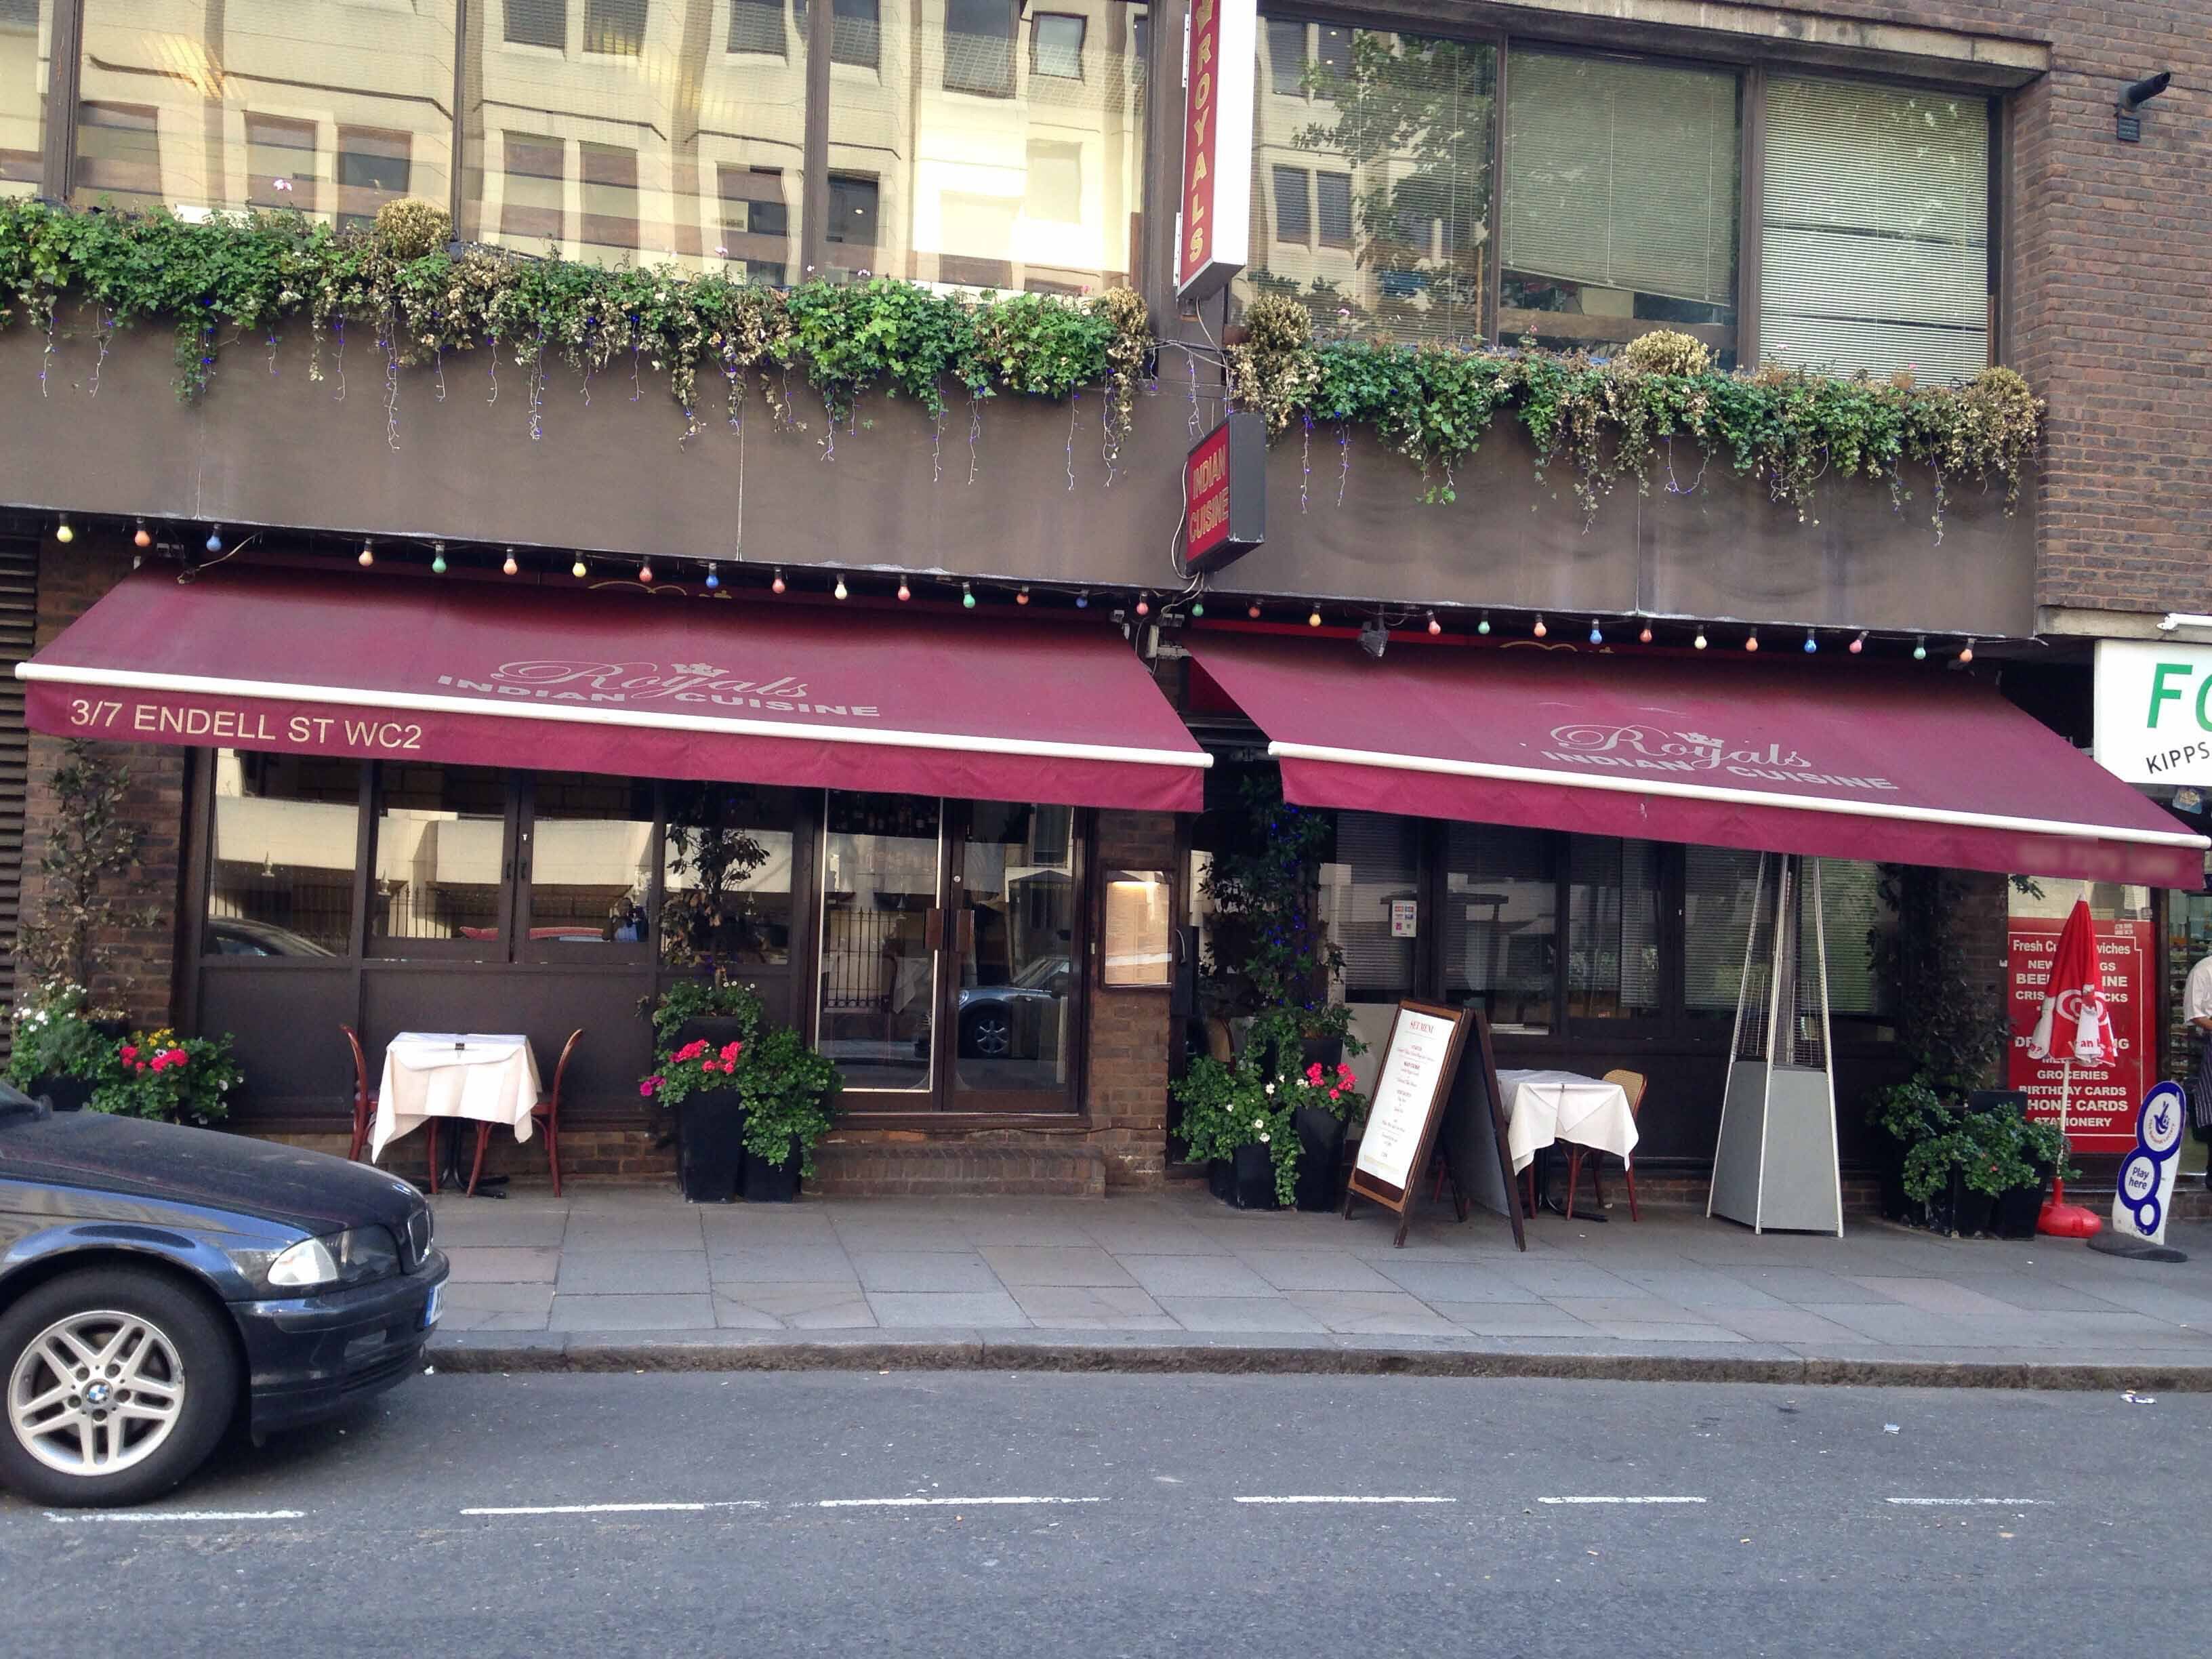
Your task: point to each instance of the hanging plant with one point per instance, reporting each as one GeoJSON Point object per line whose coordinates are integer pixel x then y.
{"type": "Point", "coordinates": [1603, 422]}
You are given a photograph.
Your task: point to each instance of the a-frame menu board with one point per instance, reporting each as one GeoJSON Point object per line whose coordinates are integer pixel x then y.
{"type": "Point", "coordinates": [1415, 1101]}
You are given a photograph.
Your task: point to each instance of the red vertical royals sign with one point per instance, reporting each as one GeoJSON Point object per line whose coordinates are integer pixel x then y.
{"type": "Point", "coordinates": [1219, 67]}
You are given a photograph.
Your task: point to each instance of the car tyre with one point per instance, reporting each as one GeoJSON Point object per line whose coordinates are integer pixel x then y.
{"type": "Point", "coordinates": [181, 1348]}
{"type": "Point", "coordinates": [987, 1033]}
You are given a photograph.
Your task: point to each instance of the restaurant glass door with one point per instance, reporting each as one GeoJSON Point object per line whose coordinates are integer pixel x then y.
{"type": "Point", "coordinates": [950, 936]}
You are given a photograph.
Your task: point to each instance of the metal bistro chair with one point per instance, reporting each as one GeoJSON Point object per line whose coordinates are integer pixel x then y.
{"type": "Point", "coordinates": [547, 1117]}
{"type": "Point", "coordinates": [1631, 1085]}
{"type": "Point", "coordinates": [364, 1102]}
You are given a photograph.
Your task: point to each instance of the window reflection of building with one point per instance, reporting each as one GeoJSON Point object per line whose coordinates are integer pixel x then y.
{"type": "Point", "coordinates": [329, 109]}
{"type": "Point", "coordinates": [961, 153]}
{"type": "Point", "coordinates": [24, 46]}
{"type": "Point", "coordinates": [1372, 179]}
{"type": "Point", "coordinates": [282, 855]}
{"type": "Point", "coordinates": [639, 130]}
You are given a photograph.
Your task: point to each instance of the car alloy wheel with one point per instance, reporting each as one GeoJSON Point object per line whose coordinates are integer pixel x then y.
{"type": "Point", "coordinates": [96, 1393]}
{"type": "Point", "coordinates": [991, 1034]}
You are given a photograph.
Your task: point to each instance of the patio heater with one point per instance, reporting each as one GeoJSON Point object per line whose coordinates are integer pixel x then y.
{"type": "Point", "coordinates": [1776, 1164]}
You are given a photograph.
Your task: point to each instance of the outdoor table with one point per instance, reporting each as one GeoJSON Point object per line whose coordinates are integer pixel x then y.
{"type": "Point", "coordinates": [492, 1079]}
{"type": "Point", "coordinates": [1544, 1107]}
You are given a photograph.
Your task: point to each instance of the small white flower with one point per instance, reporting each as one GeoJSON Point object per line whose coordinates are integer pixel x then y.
{"type": "Point", "coordinates": [1263, 1139]}
{"type": "Point", "coordinates": [1271, 1088]}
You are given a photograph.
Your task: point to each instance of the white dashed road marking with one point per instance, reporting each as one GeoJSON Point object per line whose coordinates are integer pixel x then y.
{"type": "Point", "coordinates": [1328, 1499]}
{"type": "Point", "coordinates": [622, 1508]}
{"type": "Point", "coordinates": [1621, 1500]}
{"type": "Point", "coordinates": [176, 1514]}
{"type": "Point", "coordinates": [1971, 1503]}
{"type": "Point", "coordinates": [937, 1503]}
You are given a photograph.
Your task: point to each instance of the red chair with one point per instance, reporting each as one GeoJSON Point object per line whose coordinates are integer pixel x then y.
{"type": "Point", "coordinates": [1631, 1083]}
{"type": "Point", "coordinates": [546, 1115]}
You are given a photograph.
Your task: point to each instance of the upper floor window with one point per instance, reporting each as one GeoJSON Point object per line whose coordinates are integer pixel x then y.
{"type": "Point", "coordinates": [979, 46]}
{"type": "Point", "coordinates": [329, 110]}
{"type": "Point", "coordinates": [965, 162]}
{"type": "Point", "coordinates": [618, 147]}
{"type": "Point", "coordinates": [1875, 252]}
{"type": "Point", "coordinates": [1056, 46]}
{"type": "Point", "coordinates": [23, 70]}
{"type": "Point", "coordinates": [758, 25]}
{"type": "Point", "coordinates": [856, 32]}
{"type": "Point", "coordinates": [537, 23]}
{"type": "Point", "coordinates": [1397, 240]}
{"type": "Point", "coordinates": [614, 28]}
{"type": "Point", "coordinates": [1619, 203]}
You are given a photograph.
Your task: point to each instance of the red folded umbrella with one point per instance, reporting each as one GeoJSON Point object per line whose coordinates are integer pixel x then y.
{"type": "Point", "coordinates": [2075, 1027]}
{"type": "Point", "coordinates": [2075, 1024]}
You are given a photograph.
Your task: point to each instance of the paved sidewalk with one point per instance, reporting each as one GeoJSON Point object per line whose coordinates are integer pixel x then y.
{"type": "Point", "coordinates": [634, 1274]}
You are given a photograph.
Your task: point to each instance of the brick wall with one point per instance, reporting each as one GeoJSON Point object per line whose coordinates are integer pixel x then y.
{"type": "Point", "coordinates": [70, 579]}
{"type": "Point", "coordinates": [1131, 1031]}
{"type": "Point", "coordinates": [2109, 290]}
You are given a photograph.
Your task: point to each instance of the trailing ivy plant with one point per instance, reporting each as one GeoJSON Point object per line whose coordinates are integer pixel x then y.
{"type": "Point", "coordinates": [1606, 421]}
{"type": "Point", "coordinates": [419, 296]}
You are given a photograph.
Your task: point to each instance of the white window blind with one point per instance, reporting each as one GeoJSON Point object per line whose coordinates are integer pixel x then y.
{"type": "Point", "coordinates": [1622, 175]}
{"type": "Point", "coordinates": [1875, 253]}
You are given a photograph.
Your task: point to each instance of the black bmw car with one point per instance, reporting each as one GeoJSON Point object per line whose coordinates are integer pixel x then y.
{"type": "Point", "coordinates": [158, 1285]}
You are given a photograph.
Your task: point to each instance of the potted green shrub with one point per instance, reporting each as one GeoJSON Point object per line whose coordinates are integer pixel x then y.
{"type": "Point", "coordinates": [1905, 1114]}
{"type": "Point", "coordinates": [1232, 1122]}
{"type": "Point", "coordinates": [2043, 1153]}
{"type": "Point", "coordinates": [789, 1092]}
{"type": "Point", "coordinates": [59, 1050]}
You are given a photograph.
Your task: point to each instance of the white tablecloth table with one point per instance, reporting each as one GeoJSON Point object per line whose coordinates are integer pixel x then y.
{"type": "Point", "coordinates": [1542, 1107]}
{"type": "Point", "coordinates": [492, 1079]}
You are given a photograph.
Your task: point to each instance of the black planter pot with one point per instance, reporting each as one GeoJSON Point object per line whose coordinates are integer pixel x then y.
{"type": "Point", "coordinates": [1321, 1158]}
{"type": "Point", "coordinates": [1888, 1153]}
{"type": "Point", "coordinates": [1246, 1182]}
{"type": "Point", "coordinates": [2018, 1210]}
{"type": "Point", "coordinates": [710, 1142]}
{"type": "Point", "coordinates": [772, 1183]}
{"type": "Point", "coordinates": [113, 1030]}
{"type": "Point", "coordinates": [1971, 1212]}
{"type": "Point", "coordinates": [69, 1094]}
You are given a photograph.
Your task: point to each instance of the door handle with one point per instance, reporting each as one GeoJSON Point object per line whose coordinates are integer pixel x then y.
{"type": "Point", "coordinates": [933, 929]}
{"type": "Point", "coordinates": [966, 932]}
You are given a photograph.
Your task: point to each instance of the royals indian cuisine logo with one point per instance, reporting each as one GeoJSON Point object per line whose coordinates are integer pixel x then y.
{"type": "Point", "coordinates": [1652, 749]}
{"type": "Point", "coordinates": [629, 684]}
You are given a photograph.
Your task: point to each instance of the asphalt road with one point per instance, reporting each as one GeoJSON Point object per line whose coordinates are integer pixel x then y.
{"type": "Point", "coordinates": [980, 1515]}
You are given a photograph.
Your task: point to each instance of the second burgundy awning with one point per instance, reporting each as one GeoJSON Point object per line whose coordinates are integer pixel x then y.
{"type": "Point", "coordinates": [1854, 762]}
{"type": "Point", "coordinates": [619, 681]}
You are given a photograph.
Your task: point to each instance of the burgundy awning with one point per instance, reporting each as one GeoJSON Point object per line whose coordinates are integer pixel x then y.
{"type": "Point", "coordinates": [1843, 760]}
{"type": "Point", "coordinates": [622, 681]}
